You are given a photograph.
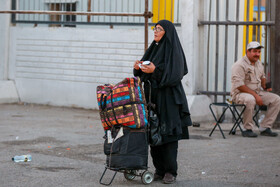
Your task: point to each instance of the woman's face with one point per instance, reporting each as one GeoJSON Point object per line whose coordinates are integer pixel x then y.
{"type": "Point", "coordinates": [158, 33]}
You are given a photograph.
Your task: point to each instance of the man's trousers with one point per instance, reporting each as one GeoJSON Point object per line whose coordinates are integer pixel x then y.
{"type": "Point", "coordinates": [271, 100]}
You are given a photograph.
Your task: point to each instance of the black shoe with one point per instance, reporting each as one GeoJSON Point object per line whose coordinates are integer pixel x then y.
{"type": "Point", "coordinates": [168, 178]}
{"type": "Point", "coordinates": [249, 133]}
{"type": "Point", "coordinates": [157, 177]}
{"type": "Point", "coordinates": [268, 132]}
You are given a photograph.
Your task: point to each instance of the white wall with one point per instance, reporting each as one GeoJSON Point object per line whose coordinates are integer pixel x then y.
{"type": "Point", "coordinates": [190, 41]}
{"type": "Point", "coordinates": [63, 66]}
{"type": "Point", "coordinates": [8, 91]}
{"type": "Point", "coordinates": [4, 38]}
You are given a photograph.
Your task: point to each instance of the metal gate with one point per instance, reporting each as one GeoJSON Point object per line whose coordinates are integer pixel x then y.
{"type": "Point", "coordinates": [229, 26]}
{"type": "Point", "coordinates": [69, 13]}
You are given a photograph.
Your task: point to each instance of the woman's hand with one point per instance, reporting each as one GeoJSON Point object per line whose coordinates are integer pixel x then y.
{"type": "Point", "coordinates": [148, 68]}
{"type": "Point", "coordinates": [136, 64]}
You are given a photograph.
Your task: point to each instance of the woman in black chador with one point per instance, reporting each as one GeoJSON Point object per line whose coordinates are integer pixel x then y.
{"type": "Point", "coordinates": [165, 72]}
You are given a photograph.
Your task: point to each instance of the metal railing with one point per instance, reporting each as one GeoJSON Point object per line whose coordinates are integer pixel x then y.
{"type": "Point", "coordinates": [16, 13]}
{"type": "Point", "coordinates": [101, 12]}
{"type": "Point", "coordinates": [83, 12]}
{"type": "Point", "coordinates": [223, 25]}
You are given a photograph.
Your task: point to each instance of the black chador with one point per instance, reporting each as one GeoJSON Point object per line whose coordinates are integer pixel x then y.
{"type": "Point", "coordinates": [168, 96]}
{"type": "Point", "coordinates": [167, 91]}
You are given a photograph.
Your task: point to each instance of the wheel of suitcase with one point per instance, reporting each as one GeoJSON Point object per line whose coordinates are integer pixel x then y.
{"type": "Point", "coordinates": [129, 174]}
{"type": "Point", "coordinates": [147, 177]}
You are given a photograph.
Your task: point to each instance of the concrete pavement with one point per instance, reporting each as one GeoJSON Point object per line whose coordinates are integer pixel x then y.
{"type": "Point", "coordinates": [67, 150]}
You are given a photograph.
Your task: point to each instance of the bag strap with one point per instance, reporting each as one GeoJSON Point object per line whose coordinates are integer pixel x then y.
{"type": "Point", "coordinates": [108, 119]}
{"type": "Point", "coordinates": [103, 100]}
{"type": "Point", "coordinates": [150, 104]}
{"type": "Point", "coordinates": [103, 107]}
{"type": "Point", "coordinates": [113, 108]}
{"type": "Point", "coordinates": [129, 103]}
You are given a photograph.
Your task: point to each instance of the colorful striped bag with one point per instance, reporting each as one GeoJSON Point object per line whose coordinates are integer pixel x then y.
{"type": "Point", "coordinates": [122, 104]}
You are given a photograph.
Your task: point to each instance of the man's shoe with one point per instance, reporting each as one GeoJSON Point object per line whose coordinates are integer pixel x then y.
{"type": "Point", "coordinates": [157, 177]}
{"type": "Point", "coordinates": [268, 132]}
{"type": "Point", "coordinates": [249, 133]}
{"type": "Point", "coordinates": [168, 178]}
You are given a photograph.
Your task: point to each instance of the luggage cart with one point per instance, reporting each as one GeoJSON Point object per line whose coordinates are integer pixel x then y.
{"type": "Point", "coordinates": [124, 117]}
{"type": "Point", "coordinates": [127, 154]}
{"type": "Point", "coordinates": [129, 174]}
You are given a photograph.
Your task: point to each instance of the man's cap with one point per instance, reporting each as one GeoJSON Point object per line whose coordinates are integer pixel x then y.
{"type": "Point", "coordinates": [254, 45]}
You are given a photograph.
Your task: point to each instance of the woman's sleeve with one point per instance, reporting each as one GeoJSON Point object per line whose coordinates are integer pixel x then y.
{"type": "Point", "coordinates": [171, 78]}
{"type": "Point", "coordinates": [174, 69]}
{"type": "Point", "coordinates": [137, 72]}
{"type": "Point", "coordinates": [157, 74]}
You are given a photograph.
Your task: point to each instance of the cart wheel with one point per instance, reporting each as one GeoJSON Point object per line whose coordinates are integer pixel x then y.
{"type": "Point", "coordinates": [129, 174]}
{"type": "Point", "coordinates": [147, 177]}
{"type": "Point", "coordinates": [233, 132]}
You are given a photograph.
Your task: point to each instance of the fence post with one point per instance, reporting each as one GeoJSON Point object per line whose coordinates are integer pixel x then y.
{"type": "Point", "coordinates": [146, 23]}
{"type": "Point", "coordinates": [88, 9]}
{"type": "Point", "coordinates": [276, 61]}
{"type": "Point", "coordinates": [13, 7]}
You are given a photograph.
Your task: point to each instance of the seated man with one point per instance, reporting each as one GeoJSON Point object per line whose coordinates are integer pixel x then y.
{"type": "Point", "coordinates": [249, 87]}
